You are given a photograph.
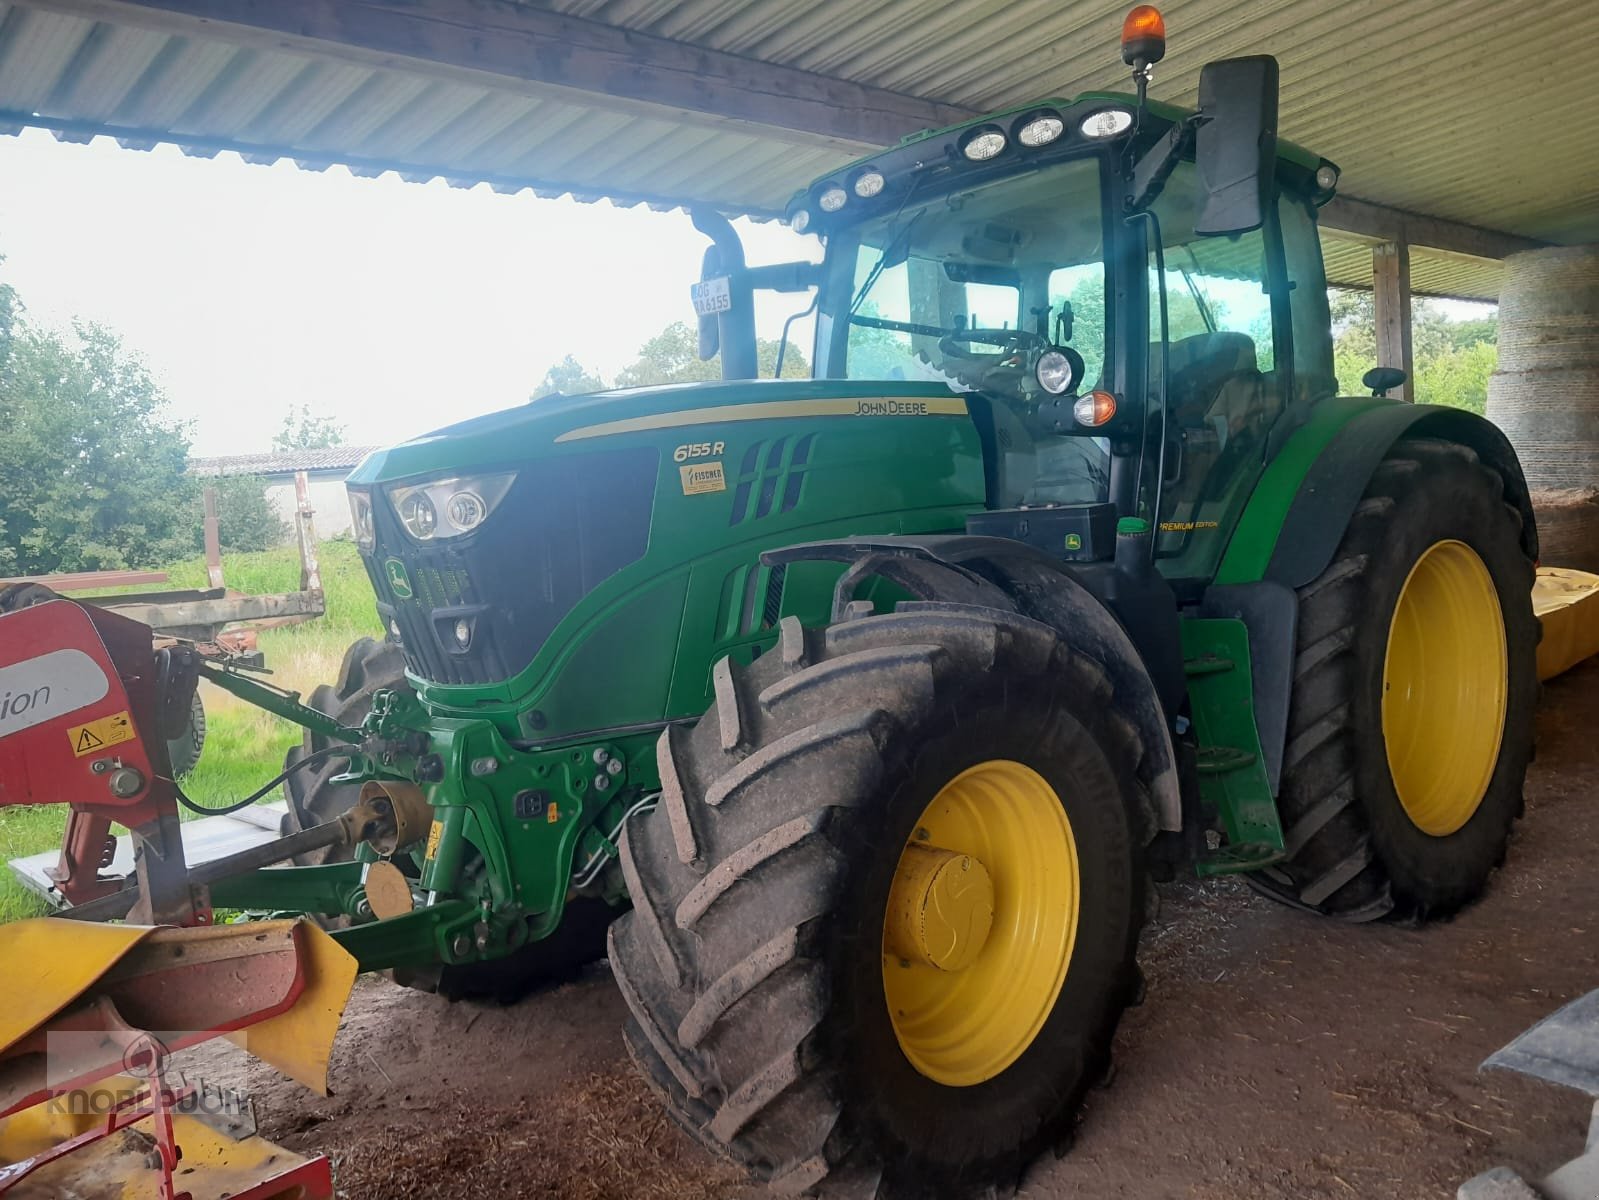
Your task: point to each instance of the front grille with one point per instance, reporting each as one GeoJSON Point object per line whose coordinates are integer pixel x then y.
{"type": "Point", "coordinates": [565, 526]}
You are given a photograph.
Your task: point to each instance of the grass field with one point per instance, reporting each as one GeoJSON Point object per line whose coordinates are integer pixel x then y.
{"type": "Point", "coordinates": [244, 746]}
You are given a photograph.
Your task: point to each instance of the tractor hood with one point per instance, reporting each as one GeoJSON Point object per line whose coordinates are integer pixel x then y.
{"type": "Point", "coordinates": [562, 423]}
{"type": "Point", "coordinates": [493, 544]}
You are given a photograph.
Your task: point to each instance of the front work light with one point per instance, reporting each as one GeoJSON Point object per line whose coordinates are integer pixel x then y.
{"type": "Point", "coordinates": [868, 184]}
{"type": "Point", "coordinates": [832, 199]}
{"type": "Point", "coordinates": [446, 508]}
{"type": "Point", "coordinates": [984, 144]}
{"type": "Point", "coordinates": [1040, 130]}
{"type": "Point", "coordinates": [1056, 371]}
{"type": "Point", "coordinates": [800, 221]}
{"type": "Point", "coordinates": [1107, 122]}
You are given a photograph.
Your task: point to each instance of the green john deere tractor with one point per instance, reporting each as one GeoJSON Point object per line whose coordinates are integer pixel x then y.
{"type": "Point", "coordinates": [869, 704]}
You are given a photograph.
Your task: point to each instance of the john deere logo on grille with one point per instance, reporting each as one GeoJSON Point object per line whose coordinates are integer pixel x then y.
{"type": "Point", "coordinates": [1074, 541]}
{"type": "Point", "coordinates": [399, 581]}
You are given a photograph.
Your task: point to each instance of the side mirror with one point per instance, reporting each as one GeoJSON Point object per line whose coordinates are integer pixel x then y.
{"type": "Point", "coordinates": [1235, 148]}
{"type": "Point", "coordinates": [710, 323]}
{"type": "Point", "coordinates": [1381, 379]}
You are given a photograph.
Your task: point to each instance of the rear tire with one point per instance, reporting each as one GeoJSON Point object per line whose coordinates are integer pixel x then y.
{"type": "Point", "coordinates": [1354, 850]}
{"type": "Point", "coordinates": [753, 962]}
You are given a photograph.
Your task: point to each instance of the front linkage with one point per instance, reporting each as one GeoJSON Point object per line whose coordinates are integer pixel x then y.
{"type": "Point", "coordinates": [506, 834]}
{"type": "Point", "coordinates": [463, 847]}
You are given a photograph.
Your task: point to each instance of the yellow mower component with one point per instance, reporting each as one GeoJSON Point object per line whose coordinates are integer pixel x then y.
{"type": "Point", "coordinates": [1566, 603]}
{"type": "Point", "coordinates": [88, 1104]}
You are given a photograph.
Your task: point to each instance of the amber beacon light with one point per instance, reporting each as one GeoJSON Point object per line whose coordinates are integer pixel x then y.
{"type": "Point", "coordinates": [1143, 37]}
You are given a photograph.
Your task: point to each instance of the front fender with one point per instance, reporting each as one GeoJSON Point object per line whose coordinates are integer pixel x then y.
{"type": "Point", "coordinates": [999, 573]}
{"type": "Point", "coordinates": [1291, 527]}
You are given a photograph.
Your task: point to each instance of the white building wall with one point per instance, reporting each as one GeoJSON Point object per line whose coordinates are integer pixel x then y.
{"type": "Point", "coordinates": [330, 508]}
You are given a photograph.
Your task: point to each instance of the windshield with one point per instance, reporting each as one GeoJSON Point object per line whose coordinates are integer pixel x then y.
{"type": "Point", "coordinates": [971, 286]}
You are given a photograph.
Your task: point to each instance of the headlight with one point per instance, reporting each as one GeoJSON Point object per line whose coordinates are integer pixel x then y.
{"type": "Point", "coordinates": [361, 519]}
{"type": "Point", "coordinates": [1056, 372]}
{"type": "Point", "coordinates": [446, 508]}
{"type": "Point", "coordinates": [832, 199]}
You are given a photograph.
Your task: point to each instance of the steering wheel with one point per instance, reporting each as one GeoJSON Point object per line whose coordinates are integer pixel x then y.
{"type": "Point", "coordinates": [1009, 341]}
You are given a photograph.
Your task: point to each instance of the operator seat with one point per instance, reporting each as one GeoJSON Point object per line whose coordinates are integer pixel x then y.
{"type": "Point", "coordinates": [1216, 383]}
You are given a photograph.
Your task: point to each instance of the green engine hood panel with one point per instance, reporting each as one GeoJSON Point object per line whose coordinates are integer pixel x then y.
{"type": "Point", "coordinates": [533, 429]}
{"type": "Point", "coordinates": [626, 559]}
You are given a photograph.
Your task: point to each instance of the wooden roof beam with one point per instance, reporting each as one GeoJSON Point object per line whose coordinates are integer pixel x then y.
{"type": "Point", "coordinates": [1378, 223]}
{"type": "Point", "coordinates": [517, 47]}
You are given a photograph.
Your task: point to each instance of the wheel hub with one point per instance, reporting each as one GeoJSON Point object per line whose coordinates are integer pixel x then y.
{"type": "Point", "coordinates": [980, 923]}
{"type": "Point", "coordinates": [940, 909]}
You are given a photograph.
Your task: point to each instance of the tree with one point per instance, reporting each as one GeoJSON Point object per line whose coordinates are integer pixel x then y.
{"type": "Point", "coordinates": [303, 430]}
{"type": "Point", "coordinates": [246, 519]}
{"type": "Point", "coordinates": [1453, 359]}
{"type": "Point", "coordinates": [569, 378]}
{"type": "Point", "coordinates": [672, 356]}
{"type": "Point", "coordinates": [92, 464]}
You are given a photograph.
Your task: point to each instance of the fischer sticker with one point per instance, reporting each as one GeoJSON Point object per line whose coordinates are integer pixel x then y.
{"type": "Point", "coordinates": [97, 735]}
{"type": "Point", "coordinates": [703, 477]}
{"type": "Point", "coordinates": [435, 832]}
{"type": "Point", "coordinates": [40, 689]}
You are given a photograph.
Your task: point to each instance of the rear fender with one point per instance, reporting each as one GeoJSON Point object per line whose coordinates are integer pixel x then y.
{"type": "Point", "coordinates": [998, 573]}
{"type": "Point", "coordinates": [1291, 528]}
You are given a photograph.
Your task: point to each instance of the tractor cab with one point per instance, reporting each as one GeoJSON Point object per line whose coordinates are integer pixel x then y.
{"type": "Point", "coordinates": [1130, 296]}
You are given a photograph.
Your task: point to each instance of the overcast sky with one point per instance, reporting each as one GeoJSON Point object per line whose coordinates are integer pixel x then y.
{"type": "Point", "coordinates": [393, 306]}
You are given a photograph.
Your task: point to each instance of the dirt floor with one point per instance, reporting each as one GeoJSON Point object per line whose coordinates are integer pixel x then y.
{"type": "Point", "coordinates": [1277, 1055]}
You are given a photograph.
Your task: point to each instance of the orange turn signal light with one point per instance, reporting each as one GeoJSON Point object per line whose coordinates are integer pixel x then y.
{"type": "Point", "coordinates": [1144, 35]}
{"type": "Point", "coordinates": [1094, 409]}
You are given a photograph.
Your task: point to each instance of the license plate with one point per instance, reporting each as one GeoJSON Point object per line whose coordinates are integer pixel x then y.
{"type": "Point", "coordinates": [712, 296]}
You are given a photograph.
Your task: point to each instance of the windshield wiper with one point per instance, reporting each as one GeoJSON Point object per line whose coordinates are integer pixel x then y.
{"type": "Point", "coordinates": [1193, 290]}
{"type": "Point", "coordinates": [897, 246]}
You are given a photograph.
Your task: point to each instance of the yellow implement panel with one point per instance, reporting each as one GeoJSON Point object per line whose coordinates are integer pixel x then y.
{"type": "Point", "coordinates": [1566, 603]}
{"type": "Point", "coordinates": [50, 964]}
{"type": "Point", "coordinates": [115, 1168]}
{"type": "Point", "coordinates": [299, 1041]}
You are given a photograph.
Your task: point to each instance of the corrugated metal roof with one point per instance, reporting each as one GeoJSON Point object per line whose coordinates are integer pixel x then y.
{"type": "Point", "coordinates": [285, 462]}
{"type": "Point", "coordinates": [1432, 273]}
{"type": "Point", "coordinates": [1453, 108]}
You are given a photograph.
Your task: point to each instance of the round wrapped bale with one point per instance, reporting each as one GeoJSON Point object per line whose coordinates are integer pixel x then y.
{"type": "Point", "coordinates": [1545, 394]}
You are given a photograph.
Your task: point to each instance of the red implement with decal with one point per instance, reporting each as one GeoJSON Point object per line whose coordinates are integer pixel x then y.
{"type": "Point", "coordinates": [67, 728]}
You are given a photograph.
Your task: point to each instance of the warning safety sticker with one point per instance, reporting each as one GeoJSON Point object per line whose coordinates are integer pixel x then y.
{"type": "Point", "coordinates": [96, 735]}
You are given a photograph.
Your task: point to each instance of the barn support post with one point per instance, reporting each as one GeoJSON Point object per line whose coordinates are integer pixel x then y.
{"type": "Point", "coordinates": [1390, 280]}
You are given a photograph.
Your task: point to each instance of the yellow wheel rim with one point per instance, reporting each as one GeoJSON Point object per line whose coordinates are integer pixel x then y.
{"type": "Point", "coordinates": [981, 922]}
{"type": "Point", "coordinates": [1444, 685]}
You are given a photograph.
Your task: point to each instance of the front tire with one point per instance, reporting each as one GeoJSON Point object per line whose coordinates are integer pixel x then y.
{"type": "Point", "coordinates": [1410, 727]}
{"type": "Point", "coordinates": [767, 963]}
